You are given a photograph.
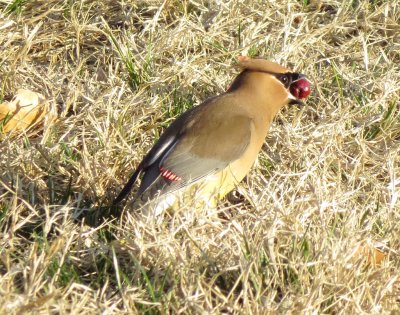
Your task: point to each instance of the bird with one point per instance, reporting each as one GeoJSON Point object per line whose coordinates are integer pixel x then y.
{"type": "Point", "coordinates": [210, 148]}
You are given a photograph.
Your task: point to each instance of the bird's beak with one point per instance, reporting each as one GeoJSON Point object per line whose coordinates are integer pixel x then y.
{"type": "Point", "coordinates": [296, 102]}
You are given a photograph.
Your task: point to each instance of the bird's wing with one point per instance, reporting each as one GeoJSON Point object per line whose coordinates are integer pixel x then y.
{"type": "Point", "coordinates": [209, 146]}
{"type": "Point", "coordinates": [165, 143]}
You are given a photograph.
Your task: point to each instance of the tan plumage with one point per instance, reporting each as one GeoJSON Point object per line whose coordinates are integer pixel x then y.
{"type": "Point", "coordinates": [209, 149]}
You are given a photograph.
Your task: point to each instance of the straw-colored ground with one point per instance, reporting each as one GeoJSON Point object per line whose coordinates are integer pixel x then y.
{"type": "Point", "coordinates": [321, 200]}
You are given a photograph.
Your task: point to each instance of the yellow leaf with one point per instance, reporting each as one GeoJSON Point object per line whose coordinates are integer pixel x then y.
{"type": "Point", "coordinates": [370, 254]}
{"type": "Point", "coordinates": [27, 108]}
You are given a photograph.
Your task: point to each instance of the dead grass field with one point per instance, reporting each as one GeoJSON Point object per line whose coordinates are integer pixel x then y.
{"type": "Point", "coordinates": [323, 196]}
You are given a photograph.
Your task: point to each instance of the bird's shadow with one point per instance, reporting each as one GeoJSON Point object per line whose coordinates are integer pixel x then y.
{"type": "Point", "coordinates": [94, 217]}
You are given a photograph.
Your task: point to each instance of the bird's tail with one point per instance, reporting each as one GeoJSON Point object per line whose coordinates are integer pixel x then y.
{"type": "Point", "coordinates": [128, 187]}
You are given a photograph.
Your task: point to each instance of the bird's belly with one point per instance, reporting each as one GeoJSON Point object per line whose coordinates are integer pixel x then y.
{"type": "Point", "coordinates": [223, 182]}
{"type": "Point", "coordinates": [207, 191]}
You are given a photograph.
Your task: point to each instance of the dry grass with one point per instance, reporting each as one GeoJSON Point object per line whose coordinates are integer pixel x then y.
{"type": "Point", "coordinates": [116, 73]}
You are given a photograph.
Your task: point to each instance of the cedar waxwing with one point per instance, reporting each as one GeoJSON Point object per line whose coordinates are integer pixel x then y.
{"type": "Point", "coordinates": [210, 148]}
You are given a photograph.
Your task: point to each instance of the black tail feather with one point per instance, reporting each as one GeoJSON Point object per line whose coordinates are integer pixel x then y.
{"type": "Point", "coordinates": [128, 187]}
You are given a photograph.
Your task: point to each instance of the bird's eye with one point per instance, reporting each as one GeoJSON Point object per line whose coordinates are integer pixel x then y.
{"type": "Point", "coordinates": [284, 78]}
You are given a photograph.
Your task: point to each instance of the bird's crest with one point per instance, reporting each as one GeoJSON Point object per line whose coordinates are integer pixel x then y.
{"type": "Point", "coordinates": [258, 64]}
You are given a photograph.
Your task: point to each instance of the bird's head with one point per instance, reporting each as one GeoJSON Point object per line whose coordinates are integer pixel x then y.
{"type": "Point", "coordinates": [281, 84]}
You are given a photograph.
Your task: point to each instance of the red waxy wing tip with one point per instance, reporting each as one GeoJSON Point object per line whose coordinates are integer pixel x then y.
{"type": "Point", "coordinates": [169, 175]}
{"type": "Point", "coordinates": [301, 88]}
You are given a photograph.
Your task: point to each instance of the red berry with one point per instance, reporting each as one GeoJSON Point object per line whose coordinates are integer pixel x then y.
{"type": "Point", "coordinates": [300, 89]}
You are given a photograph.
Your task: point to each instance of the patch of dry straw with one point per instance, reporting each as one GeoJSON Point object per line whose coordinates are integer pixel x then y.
{"type": "Point", "coordinates": [117, 73]}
